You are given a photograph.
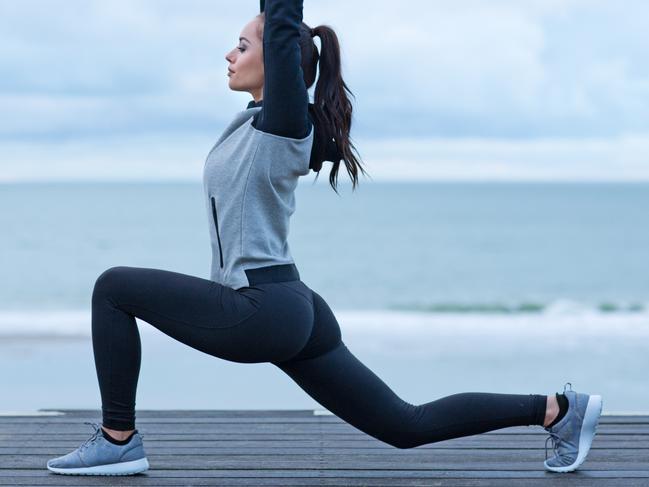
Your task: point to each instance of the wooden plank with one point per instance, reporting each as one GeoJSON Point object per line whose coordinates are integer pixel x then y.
{"type": "Point", "coordinates": [216, 416]}
{"type": "Point", "coordinates": [239, 445]}
{"type": "Point", "coordinates": [209, 413]}
{"type": "Point", "coordinates": [350, 474]}
{"type": "Point", "coordinates": [148, 480]}
{"type": "Point", "coordinates": [343, 440]}
{"type": "Point", "coordinates": [608, 460]}
{"type": "Point", "coordinates": [281, 428]}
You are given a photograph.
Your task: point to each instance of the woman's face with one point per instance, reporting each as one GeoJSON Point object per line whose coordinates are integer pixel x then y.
{"type": "Point", "coordinates": [246, 62]}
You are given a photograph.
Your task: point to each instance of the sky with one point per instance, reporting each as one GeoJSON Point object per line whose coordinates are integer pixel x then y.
{"type": "Point", "coordinates": [516, 90]}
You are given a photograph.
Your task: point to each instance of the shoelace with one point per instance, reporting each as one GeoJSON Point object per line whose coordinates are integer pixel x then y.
{"type": "Point", "coordinates": [94, 436]}
{"type": "Point", "coordinates": [555, 444]}
{"type": "Point", "coordinates": [556, 439]}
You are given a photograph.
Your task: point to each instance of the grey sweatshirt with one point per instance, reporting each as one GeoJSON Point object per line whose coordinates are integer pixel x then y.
{"type": "Point", "coordinates": [249, 180]}
{"type": "Point", "coordinates": [251, 172]}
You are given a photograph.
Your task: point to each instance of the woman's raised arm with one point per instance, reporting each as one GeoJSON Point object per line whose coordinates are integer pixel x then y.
{"type": "Point", "coordinates": [285, 98]}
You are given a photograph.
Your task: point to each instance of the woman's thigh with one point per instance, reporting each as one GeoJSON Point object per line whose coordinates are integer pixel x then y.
{"type": "Point", "coordinates": [262, 323]}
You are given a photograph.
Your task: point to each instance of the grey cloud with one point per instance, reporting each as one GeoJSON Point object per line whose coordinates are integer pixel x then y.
{"type": "Point", "coordinates": [455, 68]}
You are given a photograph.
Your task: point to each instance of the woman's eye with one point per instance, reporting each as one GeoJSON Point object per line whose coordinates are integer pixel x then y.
{"type": "Point", "coordinates": [240, 49]}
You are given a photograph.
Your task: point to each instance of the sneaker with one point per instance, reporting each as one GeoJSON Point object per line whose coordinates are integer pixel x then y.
{"type": "Point", "coordinates": [98, 456]}
{"type": "Point", "coordinates": [573, 434]}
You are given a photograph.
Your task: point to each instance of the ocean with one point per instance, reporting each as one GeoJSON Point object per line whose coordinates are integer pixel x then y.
{"type": "Point", "coordinates": [439, 287]}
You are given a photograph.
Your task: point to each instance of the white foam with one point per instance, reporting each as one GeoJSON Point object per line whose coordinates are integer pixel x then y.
{"type": "Point", "coordinates": [48, 323]}
{"type": "Point", "coordinates": [322, 412]}
{"type": "Point", "coordinates": [32, 413]}
{"type": "Point", "coordinates": [561, 319]}
{"type": "Point", "coordinates": [45, 323]}
{"type": "Point", "coordinates": [589, 322]}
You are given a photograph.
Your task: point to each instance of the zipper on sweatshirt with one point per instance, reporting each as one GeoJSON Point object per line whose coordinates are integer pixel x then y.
{"type": "Point", "coordinates": [216, 225]}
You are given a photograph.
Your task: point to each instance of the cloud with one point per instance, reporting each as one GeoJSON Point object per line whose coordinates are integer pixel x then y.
{"type": "Point", "coordinates": [83, 72]}
{"type": "Point", "coordinates": [181, 157]}
{"type": "Point", "coordinates": [504, 69]}
{"type": "Point", "coordinates": [617, 158]}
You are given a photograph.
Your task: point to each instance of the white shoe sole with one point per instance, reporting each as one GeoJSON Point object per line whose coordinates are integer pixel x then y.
{"type": "Point", "coordinates": [588, 430]}
{"type": "Point", "coordinates": [122, 468]}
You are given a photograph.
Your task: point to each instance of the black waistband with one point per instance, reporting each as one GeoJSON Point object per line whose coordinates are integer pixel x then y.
{"type": "Point", "coordinates": [273, 273]}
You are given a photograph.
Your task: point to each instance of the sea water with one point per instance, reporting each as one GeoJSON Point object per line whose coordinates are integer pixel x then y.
{"type": "Point", "coordinates": [438, 288]}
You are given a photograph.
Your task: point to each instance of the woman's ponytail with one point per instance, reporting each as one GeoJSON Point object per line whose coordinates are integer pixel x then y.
{"type": "Point", "coordinates": [331, 109]}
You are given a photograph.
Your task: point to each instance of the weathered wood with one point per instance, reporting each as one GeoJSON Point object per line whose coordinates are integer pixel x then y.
{"type": "Point", "coordinates": [283, 478]}
{"type": "Point", "coordinates": [213, 416]}
{"type": "Point", "coordinates": [360, 480]}
{"type": "Point", "coordinates": [290, 448]}
{"type": "Point", "coordinates": [337, 430]}
{"type": "Point", "coordinates": [243, 445]}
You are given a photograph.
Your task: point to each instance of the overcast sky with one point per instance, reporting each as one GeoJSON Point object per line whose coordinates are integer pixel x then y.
{"type": "Point", "coordinates": [453, 89]}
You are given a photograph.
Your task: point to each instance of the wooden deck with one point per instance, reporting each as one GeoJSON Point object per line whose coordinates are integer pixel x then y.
{"type": "Point", "coordinates": [298, 447]}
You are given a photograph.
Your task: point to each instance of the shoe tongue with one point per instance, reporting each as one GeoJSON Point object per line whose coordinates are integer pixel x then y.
{"type": "Point", "coordinates": [554, 429]}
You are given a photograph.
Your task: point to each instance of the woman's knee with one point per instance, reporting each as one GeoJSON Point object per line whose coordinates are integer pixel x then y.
{"type": "Point", "coordinates": [109, 281]}
{"type": "Point", "coordinates": [405, 440]}
{"type": "Point", "coordinates": [402, 443]}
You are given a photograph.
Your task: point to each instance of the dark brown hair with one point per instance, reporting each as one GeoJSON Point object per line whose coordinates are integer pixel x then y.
{"type": "Point", "coordinates": [331, 111]}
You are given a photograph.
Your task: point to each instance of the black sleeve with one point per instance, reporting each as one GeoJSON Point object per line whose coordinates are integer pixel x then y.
{"type": "Point", "coordinates": [285, 99]}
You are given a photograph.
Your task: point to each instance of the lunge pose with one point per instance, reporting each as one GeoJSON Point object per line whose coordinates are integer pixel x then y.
{"type": "Point", "coordinates": [255, 308]}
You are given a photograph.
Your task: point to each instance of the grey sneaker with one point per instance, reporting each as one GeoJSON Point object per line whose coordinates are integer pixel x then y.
{"type": "Point", "coordinates": [98, 456]}
{"type": "Point", "coordinates": [572, 436]}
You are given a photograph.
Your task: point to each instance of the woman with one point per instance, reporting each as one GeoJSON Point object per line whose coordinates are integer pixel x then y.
{"type": "Point", "coordinates": [254, 308]}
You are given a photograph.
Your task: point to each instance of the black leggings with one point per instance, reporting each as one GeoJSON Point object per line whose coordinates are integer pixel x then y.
{"type": "Point", "coordinates": [277, 319]}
